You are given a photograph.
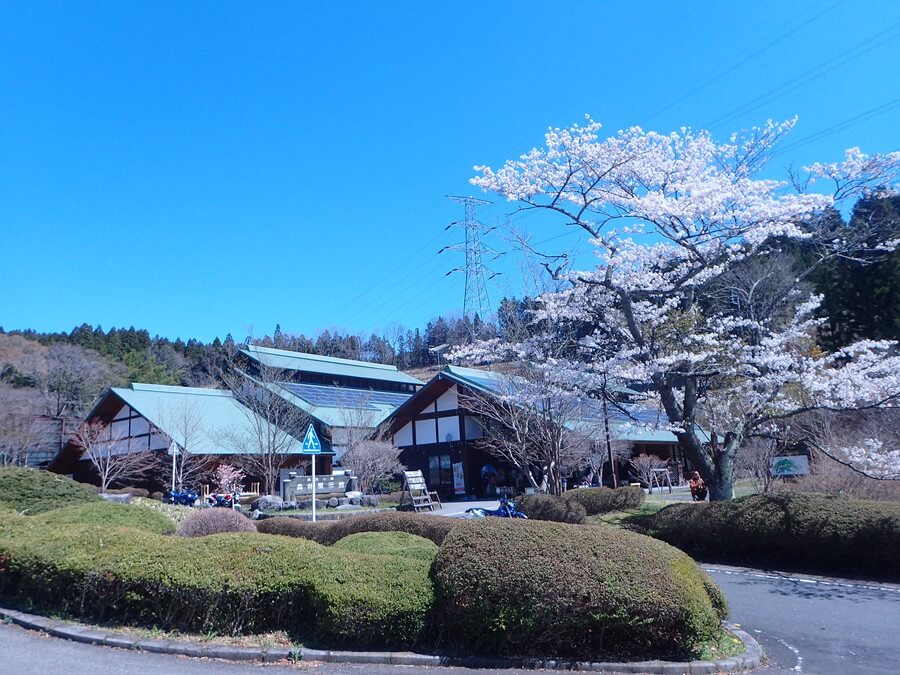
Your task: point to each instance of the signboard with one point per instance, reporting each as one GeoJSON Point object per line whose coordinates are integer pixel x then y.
{"type": "Point", "coordinates": [311, 445]}
{"type": "Point", "coordinates": [302, 486]}
{"type": "Point", "coordinates": [793, 465]}
{"type": "Point", "coordinates": [459, 480]}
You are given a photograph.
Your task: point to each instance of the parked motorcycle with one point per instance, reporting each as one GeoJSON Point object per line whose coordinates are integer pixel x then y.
{"type": "Point", "coordinates": [183, 497]}
{"type": "Point", "coordinates": [228, 500]}
{"type": "Point", "coordinates": [507, 510]}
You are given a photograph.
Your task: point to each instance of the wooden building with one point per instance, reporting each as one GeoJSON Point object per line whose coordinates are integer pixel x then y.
{"type": "Point", "coordinates": [436, 434]}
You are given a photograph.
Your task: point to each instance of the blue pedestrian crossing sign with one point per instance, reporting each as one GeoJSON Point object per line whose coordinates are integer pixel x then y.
{"type": "Point", "coordinates": [311, 445]}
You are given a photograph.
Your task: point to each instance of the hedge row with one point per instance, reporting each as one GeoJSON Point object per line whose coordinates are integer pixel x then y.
{"type": "Point", "coordinates": [550, 507]}
{"type": "Point", "coordinates": [434, 528]}
{"type": "Point", "coordinates": [31, 491]}
{"type": "Point", "coordinates": [109, 515]}
{"type": "Point", "coordinates": [226, 583]}
{"type": "Point", "coordinates": [817, 533]}
{"type": "Point", "coordinates": [389, 543]}
{"type": "Point", "coordinates": [539, 588]}
{"type": "Point", "coordinates": [204, 522]}
{"type": "Point", "coordinates": [604, 500]}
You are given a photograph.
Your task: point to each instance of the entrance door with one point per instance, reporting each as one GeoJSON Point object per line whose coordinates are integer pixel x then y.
{"type": "Point", "coordinates": [440, 474]}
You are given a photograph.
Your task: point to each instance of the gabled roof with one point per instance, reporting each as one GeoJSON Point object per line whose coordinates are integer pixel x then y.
{"type": "Point", "coordinates": [342, 406]}
{"type": "Point", "coordinates": [217, 411]}
{"type": "Point", "coordinates": [326, 365]}
{"type": "Point", "coordinates": [636, 423]}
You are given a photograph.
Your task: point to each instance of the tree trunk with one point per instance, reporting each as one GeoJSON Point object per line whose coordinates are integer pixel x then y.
{"type": "Point", "coordinates": [717, 472]}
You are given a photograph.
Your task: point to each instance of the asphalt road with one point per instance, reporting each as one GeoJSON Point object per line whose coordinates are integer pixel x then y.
{"type": "Point", "coordinates": [805, 624]}
{"type": "Point", "coordinates": [814, 624]}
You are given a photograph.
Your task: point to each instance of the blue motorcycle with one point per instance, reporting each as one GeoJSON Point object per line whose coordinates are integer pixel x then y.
{"type": "Point", "coordinates": [507, 510]}
{"type": "Point", "coordinates": [183, 497]}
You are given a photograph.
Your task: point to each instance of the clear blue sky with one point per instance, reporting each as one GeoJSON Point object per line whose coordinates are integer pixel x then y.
{"type": "Point", "coordinates": [199, 168]}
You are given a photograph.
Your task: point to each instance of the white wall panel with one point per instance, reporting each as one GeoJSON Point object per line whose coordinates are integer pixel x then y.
{"type": "Point", "coordinates": [448, 429]}
{"type": "Point", "coordinates": [473, 429]}
{"type": "Point", "coordinates": [425, 432]}
{"type": "Point", "coordinates": [449, 400]}
{"type": "Point", "coordinates": [403, 438]}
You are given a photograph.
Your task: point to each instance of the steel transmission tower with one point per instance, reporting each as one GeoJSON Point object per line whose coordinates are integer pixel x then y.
{"type": "Point", "coordinates": [475, 299]}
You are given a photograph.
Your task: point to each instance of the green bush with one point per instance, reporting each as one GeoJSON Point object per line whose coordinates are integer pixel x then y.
{"type": "Point", "coordinates": [113, 515]}
{"type": "Point", "coordinates": [228, 583]}
{"type": "Point", "coordinates": [293, 527]}
{"type": "Point", "coordinates": [550, 507]}
{"type": "Point", "coordinates": [434, 528]}
{"type": "Point", "coordinates": [817, 533]}
{"type": "Point", "coordinates": [604, 500]}
{"type": "Point", "coordinates": [204, 522]}
{"type": "Point", "coordinates": [31, 491]}
{"type": "Point", "coordinates": [530, 588]}
{"type": "Point", "coordinates": [389, 543]}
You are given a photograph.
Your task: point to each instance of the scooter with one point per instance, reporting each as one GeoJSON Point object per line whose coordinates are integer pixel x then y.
{"type": "Point", "coordinates": [507, 510]}
{"type": "Point", "coordinates": [223, 501]}
{"type": "Point", "coordinates": [183, 497]}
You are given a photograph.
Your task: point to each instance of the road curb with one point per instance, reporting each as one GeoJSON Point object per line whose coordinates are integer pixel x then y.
{"type": "Point", "coordinates": [750, 659]}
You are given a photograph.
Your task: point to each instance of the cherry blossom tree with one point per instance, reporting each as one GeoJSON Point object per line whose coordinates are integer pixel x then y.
{"type": "Point", "coordinates": [677, 222]}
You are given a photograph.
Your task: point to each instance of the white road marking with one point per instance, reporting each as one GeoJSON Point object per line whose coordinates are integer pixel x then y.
{"type": "Point", "coordinates": [803, 580]}
{"type": "Point", "coordinates": [799, 667]}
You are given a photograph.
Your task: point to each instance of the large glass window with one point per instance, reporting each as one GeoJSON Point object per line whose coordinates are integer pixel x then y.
{"type": "Point", "coordinates": [440, 471]}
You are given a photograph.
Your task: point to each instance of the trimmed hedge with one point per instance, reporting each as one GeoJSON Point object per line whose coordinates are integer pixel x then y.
{"type": "Point", "coordinates": [812, 532]}
{"type": "Point", "coordinates": [603, 499]}
{"type": "Point", "coordinates": [389, 543]}
{"type": "Point", "coordinates": [112, 515]}
{"type": "Point", "coordinates": [434, 528]}
{"type": "Point", "coordinates": [227, 583]}
{"type": "Point", "coordinates": [530, 588]}
{"type": "Point", "coordinates": [293, 527]}
{"type": "Point", "coordinates": [550, 507]}
{"type": "Point", "coordinates": [31, 491]}
{"type": "Point", "coordinates": [204, 522]}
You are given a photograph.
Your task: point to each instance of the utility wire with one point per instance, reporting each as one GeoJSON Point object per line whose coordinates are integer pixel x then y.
{"type": "Point", "coordinates": [861, 48]}
{"type": "Point", "coordinates": [741, 62]}
{"type": "Point", "coordinates": [840, 126]}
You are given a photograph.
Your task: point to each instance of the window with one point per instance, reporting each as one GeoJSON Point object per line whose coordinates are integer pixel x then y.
{"type": "Point", "coordinates": [440, 471]}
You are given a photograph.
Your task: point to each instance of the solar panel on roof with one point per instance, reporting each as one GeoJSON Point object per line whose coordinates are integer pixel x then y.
{"type": "Point", "coordinates": [337, 397]}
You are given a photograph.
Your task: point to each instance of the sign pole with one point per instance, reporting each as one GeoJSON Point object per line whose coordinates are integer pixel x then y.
{"type": "Point", "coordinates": [312, 446]}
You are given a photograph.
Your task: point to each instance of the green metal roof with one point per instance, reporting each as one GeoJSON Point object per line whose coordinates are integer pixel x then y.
{"type": "Point", "coordinates": [621, 429]}
{"type": "Point", "coordinates": [326, 365]}
{"type": "Point", "coordinates": [217, 411]}
{"type": "Point", "coordinates": [341, 416]}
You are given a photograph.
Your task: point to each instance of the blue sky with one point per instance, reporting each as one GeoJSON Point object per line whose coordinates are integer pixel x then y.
{"type": "Point", "coordinates": [203, 168]}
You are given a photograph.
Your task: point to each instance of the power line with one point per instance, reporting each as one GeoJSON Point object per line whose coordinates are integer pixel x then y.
{"type": "Point", "coordinates": [861, 48]}
{"type": "Point", "coordinates": [840, 126]}
{"type": "Point", "coordinates": [378, 284]}
{"type": "Point", "coordinates": [741, 62]}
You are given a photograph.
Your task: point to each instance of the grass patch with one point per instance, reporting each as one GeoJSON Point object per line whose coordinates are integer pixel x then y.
{"type": "Point", "coordinates": [723, 646]}
{"type": "Point", "coordinates": [622, 518]}
{"type": "Point", "coordinates": [173, 512]}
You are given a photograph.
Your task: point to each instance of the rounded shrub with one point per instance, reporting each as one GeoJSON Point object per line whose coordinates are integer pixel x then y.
{"type": "Point", "coordinates": [434, 528]}
{"type": "Point", "coordinates": [531, 588]}
{"type": "Point", "coordinates": [812, 532]}
{"type": "Point", "coordinates": [112, 515]}
{"type": "Point", "coordinates": [204, 522]}
{"type": "Point", "coordinates": [293, 527]}
{"type": "Point", "coordinates": [551, 507]}
{"type": "Point", "coordinates": [603, 499]}
{"type": "Point", "coordinates": [242, 583]}
{"type": "Point", "coordinates": [389, 543]}
{"type": "Point", "coordinates": [31, 491]}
